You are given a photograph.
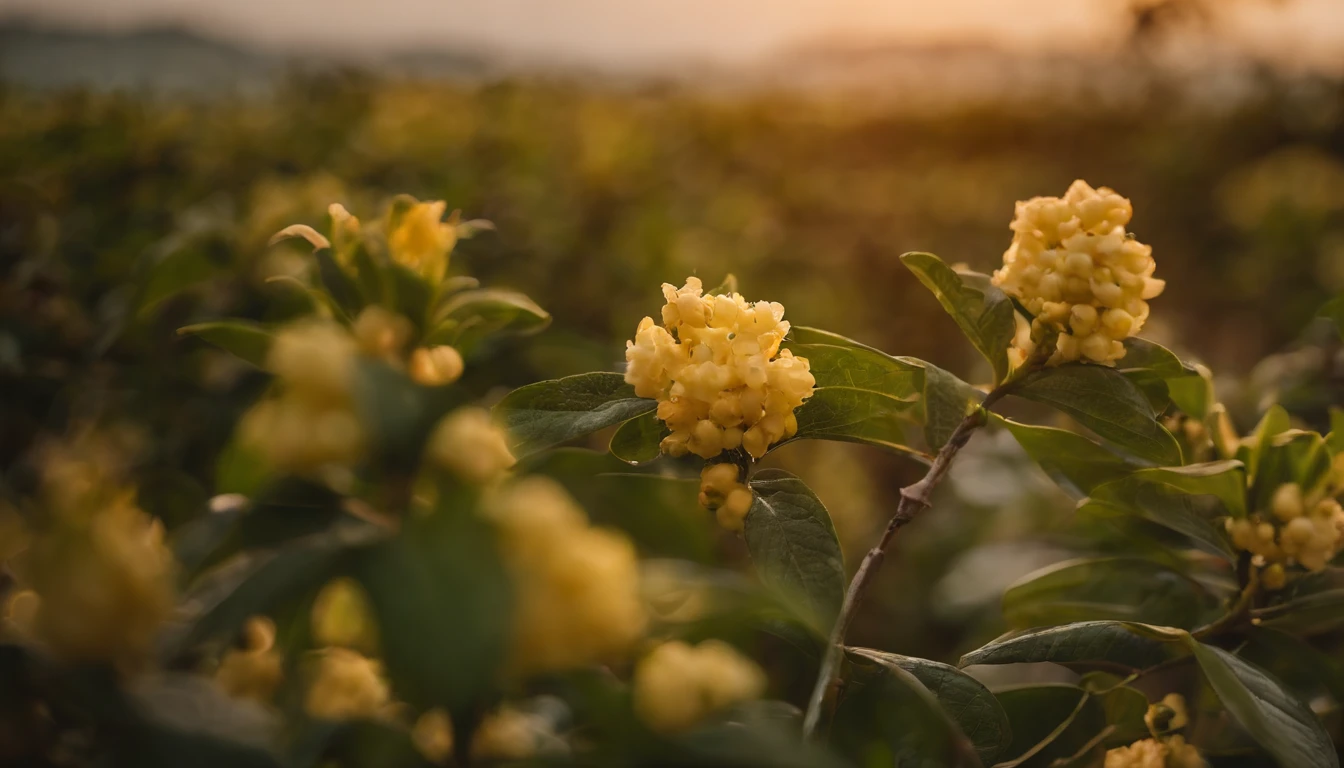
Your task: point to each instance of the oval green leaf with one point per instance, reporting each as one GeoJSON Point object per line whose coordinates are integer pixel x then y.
{"type": "Point", "coordinates": [1120, 588]}
{"type": "Point", "coordinates": [243, 339]}
{"type": "Point", "coordinates": [981, 310]}
{"type": "Point", "coordinates": [639, 440]}
{"type": "Point", "coordinates": [548, 413]}
{"type": "Point", "coordinates": [1089, 644]}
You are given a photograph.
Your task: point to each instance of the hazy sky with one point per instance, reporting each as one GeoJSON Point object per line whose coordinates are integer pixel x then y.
{"type": "Point", "coordinates": [629, 31]}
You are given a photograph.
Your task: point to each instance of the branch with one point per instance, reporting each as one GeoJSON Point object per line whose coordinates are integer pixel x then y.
{"type": "Point", "coordinates": [914, 499]}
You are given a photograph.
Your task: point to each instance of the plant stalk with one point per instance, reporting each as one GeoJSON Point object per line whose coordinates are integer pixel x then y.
{"type": "Point", "coordinates": [914, 499]}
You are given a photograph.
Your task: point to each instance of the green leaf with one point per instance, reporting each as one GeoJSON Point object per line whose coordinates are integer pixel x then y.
{"type": "Point", "coordinates": [1333, 310]}
{"type": "Point", "coordinates": [1107, 403]}
{"type": "Point", "coordinates": [1313, 604]}
{"type": "Point", "coordinates": [886, 716]}
{"type": "Point", "coordinates": [969, 703]}
{"type": "Point", "coordinates": [1284, 726]}
{"type": "Point", "coordinates": [1122, 588]}
{"type": "Point", "coordinates": [940, 399]}
{"type": "Point", "coordinates": [240, 468]}
{"type": "Point", "coordinates": [1076, 463]}
{"type": "Point", "coordinates": [412, 292]}
{"type": "Point", "coordinates": [339, 285]}
{"type": "Point", "coordinates": [1335, 440]}
{"type": "Point", "coordinates": [548, 413]}
{"type": "Point", "coordinates": [639, 440]}
{"type": "Point", "coordinates": [396, 410]}
{"type": "Point", "coordinates": [982, 311]}
{"type": "Point", "coordinates": [241, 338]}
{"type": "Point", "coordinates": [860, 416]}
{"type": "Point", "coordinates": [1307, 670]}
{"type": "Point", "coordinates": [1089, 644]}
{"type": "Point", "coordinates": [443, 601]}
{"type": "Point", "coordinates": [1275, 422]}
{"type": "Point", "coordinates": [1050, 722]}
{"type": "Point", "coordinates": [373, 282]}
{"type": "Point", "coordinates": [1155, 369]}
{"type": "Point", "coordinates": [471, 317]}
{"type": "Point", "coordinates": [1223, 480]}
{"type": "Point", "coordinates": [1164, 505]}
{"type": "Point", "coordinates": [1293, 456]}
{"type": "Point", "coordinates": [793, 546]}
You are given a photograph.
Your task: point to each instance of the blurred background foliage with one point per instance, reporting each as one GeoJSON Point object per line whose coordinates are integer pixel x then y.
{"type": "Point", "coordinates": [124, 216]}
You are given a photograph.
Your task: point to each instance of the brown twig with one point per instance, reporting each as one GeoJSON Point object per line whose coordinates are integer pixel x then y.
{"type": "Point", "coordinates": [914, 499]}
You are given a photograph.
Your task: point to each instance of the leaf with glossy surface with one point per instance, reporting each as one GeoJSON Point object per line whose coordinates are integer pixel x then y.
{"type": "Point", "coordinates": [1164, 505]}
{"type": "Point", "coordinates": [1074, 462]}
{"type": "Point", "coordinates": [969, 703]}
{"type": "Point", "coordinates": [548, 413]}
{"type": "Point", "coordinates": [981, 310]}
{"type": "Point", "coordinates": [1095, 644]}
{"type": "Point", "coordinates": [1120, 588]}
{"type": "Point", "coordinates": [860, 416]}
{"type": "Point", "coordinates": [1223, 480]}
{"type": "Point", "coordinates": [1109, 405]}
{"type": "Point", "coordinates": [793, 546]}
{"type": "Point", "coordinates": [1284, 726]}
{"type": "Point", "coordinates": [639, 440]}
{"type": "Point", "coordinates": [243, 339]}
{"type": "Point", "coordinates": [1164, 378]}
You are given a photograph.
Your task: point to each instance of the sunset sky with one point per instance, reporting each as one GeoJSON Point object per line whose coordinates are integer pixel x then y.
{"type": "Point", "coordinates": [635, 31]}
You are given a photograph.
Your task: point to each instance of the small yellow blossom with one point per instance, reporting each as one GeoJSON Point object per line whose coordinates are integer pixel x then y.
{"type": "Point", "coordinates": [467, 443]}
{"type": "Point", "coordinates": [1154, 753]}
{"type": "Point", "coordinates": [577, 587]}
{"type": "Point", "coordinates": [347, 686]}
{"type": "Point", "coordinates": [432, 736]}
{"type": "Point", "coordinates": [505, 734]}
{"type": "Point", "coordinates": [421, 240]}
{"type": "Point", "coordinates": [1077, 270]}
{"type": "Point", "coordinates": [678, 685]}
{"type": "Point", "coordinates": [718, 373]}
{"type": "Point", "coordinates": [1167, 715]}
{"type": "Point", "coordinates": [382, 334]}
{"type": "Point", "coordinates": [436, 366]}
{"type": "Point", "coordinates": [1295, 530]}
{"type": "Point", "coordinates": [721, 493]}
{"type": "Point", "coordinates": [254, 670]}
{"type": "Point", "coordinates": [342, 616]}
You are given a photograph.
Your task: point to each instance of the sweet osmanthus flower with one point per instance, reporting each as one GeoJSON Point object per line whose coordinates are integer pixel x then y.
{"type": "Point", "coordinates": [1164, 749]}
{"type": "Point", "coordinates": [1302, 528]}
{"type": "Point", "coordinates": [1076, 269]}
{"type": "Point", "coordinates": [678, 685]}
{"type": "Point", "coordinates": [716, 368]}
{"type": "Point", "coordinates": [722, 493]}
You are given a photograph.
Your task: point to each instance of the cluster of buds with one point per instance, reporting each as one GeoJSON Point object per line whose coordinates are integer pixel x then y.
{"type": "Point", "coordinates": [577, 586]}
{"type": "Point", "coordinates": [1165, 749]}
{"type": "Point", "coordinates": [505, 734]}
{"type": "Point", "coordinates": [1074, 267]}
{"type": "Point", "coordinates": [254, 669]}
{"type": "Point", "coordinates": [1301, 529]}
{"type": "Point", "coordinates": [100, 573]}
{"type": "Point", "coordinates": [384, 335]}
{"type": "Point", "coordinates": [347, 686]}
{"type": "Point", "coordinates": [678, 685]}
{"type": "Point", "coordinates": [723, 494]}
{"type": "Point", "coordinates": [717, 371]}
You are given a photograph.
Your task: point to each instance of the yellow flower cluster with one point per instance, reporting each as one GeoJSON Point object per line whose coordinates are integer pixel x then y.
{"type": "Point", "coordinates": [721, 493]}
{"type": "Point", "coordinates": [577, 586]}
{"type": "Point", "coordinates": [678, 685]}
{"type": "Point", "coordinates": [1307, 530]}
{"type": "Point", "coordinates": [505, 734]}
{"type": "Point", "coordinates": [469, 444]}
{"type": "Point", "coordinates": [1167, 715]}
{"type": "Point", "coordinates": [100, 571]}
{"type": "Point", "coordinates": [254, 670]}
{"type": "Point", "coordinates": [1155, 753]}
{"type": "Point", "coordinates": [311, 425]}
{"type": "Point", "coordinates": [419, 239]}
{"type": "Point", "coordinates": [347, 686]}
{"type": "Point", "coordinates": [718, 373]}
{"type": "Point", "coordinates": [1077, 270]}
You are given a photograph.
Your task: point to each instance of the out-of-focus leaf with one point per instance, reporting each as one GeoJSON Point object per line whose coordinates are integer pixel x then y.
{"type": "Point", "coordinates": [548, 413]}
{"type": "Point", "coordinates": [638, 440]}
{"type": "Point", "coordinates": [1223, 480]}
{"type": "Point", "coordinates": [240, 338]}
{"type": "Point", "coordinates": [178, 271]}
{"type": "Point", "coordinates": [1107, 403]}
{"type": "Point", "coordinates": [470, 317]}
{"type": "Point", "coordinates": [793, 546]}
{"type": "Point", "coordinates": [411, 291]}
{"type": "Point", "coordinates": [1122, 588]}
{"type": "Point", "coordinates": [1284, 726]}
{"type": "Point", "coordinates": [443, 601]}
{"type": "Point", "coordinates": [1335, 440]}
{"type": "Point", "coordinates": [1076, 463]}
{"type": "Point", "coordinates": [373, 282]}
{"type": "Point", "coordinates": [1089, 644]}
{"type": "Point", "coordinates": [398, 412]}
{"type": "Point", "coordinates": [240, 469]}
{"type": "Point", "coordinates": [969, 703]}
{"type": "Point", "coordinates": [338, 284]}
{"type": "Point", "coordinates": [886, 716]}
{"type": "Point", "coordinates": [980, 309]}
{"type": "Point", "coordinates": [1312, 605]}
{"type": "Point", "coordinates": [1275, 422]}
{"type": "Point", "coordinates": [1333, 310]}
{"type": "Point", "coordinates": [1049, 723]}
{"type": "Point", "coordinates": [1161, 504]}
{"type": "Point", "coordinates": [1293, 456]}
{"type": "Point", "coordinates": [725, 288]}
